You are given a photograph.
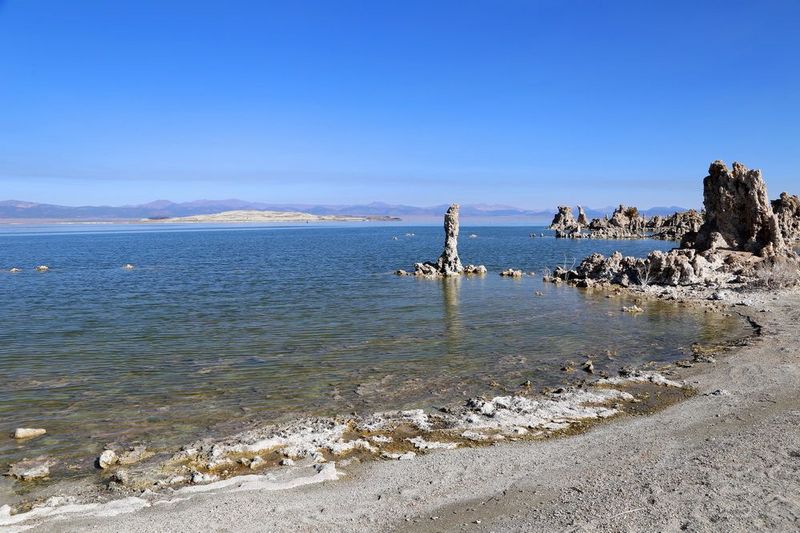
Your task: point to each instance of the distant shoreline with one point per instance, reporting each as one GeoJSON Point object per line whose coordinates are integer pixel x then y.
{"type": "Point", "coordinates": [199, 219]}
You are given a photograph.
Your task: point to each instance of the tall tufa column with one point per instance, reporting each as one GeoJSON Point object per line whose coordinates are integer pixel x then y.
{"type": "Point", "coordinates": [449, 264]}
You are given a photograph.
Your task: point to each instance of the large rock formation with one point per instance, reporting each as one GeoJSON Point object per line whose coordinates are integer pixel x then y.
{"type": "Point", "coordinates": [787, 209]}
{"type": "Point", "coordinates": [564, 219]}
{"type": "Point", "coordinates": [739, 214]}
{"type": "Point", "coordinates": [674, 268]}
{"type": "Point", "coordinates": [674, 227]}
{"type": "Point", "coordinates": [448, 264]}
{"type": "Point", "coordinates": [740, 242]}
{"type": "Point", "coordinates": [625, 223]}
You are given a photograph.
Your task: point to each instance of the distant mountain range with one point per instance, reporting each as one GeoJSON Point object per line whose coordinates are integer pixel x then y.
{"type": "Point", "coordinates": [13, 209]}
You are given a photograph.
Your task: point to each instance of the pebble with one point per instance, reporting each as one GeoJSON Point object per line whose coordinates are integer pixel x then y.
{"type": "Point", "coordinates": [199, 477]}
{"type": "Point", "coordinates": [121, 477]}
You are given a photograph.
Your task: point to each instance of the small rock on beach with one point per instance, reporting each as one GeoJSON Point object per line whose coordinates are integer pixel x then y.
{"type": "Point", "coordinates": [107, 459]}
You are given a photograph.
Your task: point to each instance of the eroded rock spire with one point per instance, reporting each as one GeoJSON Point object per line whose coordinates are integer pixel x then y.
{"type": "Point", "coordinates": [449, 264]}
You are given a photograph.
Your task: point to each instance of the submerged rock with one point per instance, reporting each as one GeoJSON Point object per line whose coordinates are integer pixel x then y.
{"type": "Point", "coordinates": [28, 433]}
{"type": "Point", "coordinates": [31, 469]}
{"type": "Point", "coordinates": [511, 273]}
{"type": "Point", "coordinates": [42, 268]}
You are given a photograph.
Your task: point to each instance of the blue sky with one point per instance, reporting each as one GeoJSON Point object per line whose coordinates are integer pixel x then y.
{"type": "Point", "coordinates": [528, 103]}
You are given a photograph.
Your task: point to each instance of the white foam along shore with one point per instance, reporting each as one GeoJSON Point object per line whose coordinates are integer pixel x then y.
{"type": "Point", "coordinates": [317, 444]}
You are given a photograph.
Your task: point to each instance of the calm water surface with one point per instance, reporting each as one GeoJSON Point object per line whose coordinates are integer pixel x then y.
{"type": "Point", "coordinates": [219, 327]}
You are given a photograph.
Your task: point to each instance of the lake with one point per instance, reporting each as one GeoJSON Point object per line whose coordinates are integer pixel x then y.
{"type": "Point", "coordinates": [218, 328]}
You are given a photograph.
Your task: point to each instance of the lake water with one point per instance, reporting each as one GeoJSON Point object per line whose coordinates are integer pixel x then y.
{"type": "Point", "coordinates": [217, 328]}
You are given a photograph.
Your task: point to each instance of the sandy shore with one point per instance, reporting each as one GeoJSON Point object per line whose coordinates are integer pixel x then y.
{"type": "Point", "coordinates": [727, 459]}
{"type": "Point", "coordinates": [249, 216]}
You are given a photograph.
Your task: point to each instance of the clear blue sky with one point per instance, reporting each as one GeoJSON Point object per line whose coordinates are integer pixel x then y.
{"type": "Point", "coordinates": [528, 103]}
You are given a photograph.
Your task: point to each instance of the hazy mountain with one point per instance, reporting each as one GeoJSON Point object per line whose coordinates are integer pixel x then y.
{"type": "Point", "coordinates": [14, 209]}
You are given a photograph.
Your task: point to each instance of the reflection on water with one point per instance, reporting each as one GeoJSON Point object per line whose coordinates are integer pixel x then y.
{"type": "Point", "coordinates": [217, 328]}
{"type": "Point", "coordinates": [452, 320]}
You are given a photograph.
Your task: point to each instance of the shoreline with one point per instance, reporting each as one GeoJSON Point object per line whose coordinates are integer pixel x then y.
{"type": "Point", "coordinates": [364, 474]}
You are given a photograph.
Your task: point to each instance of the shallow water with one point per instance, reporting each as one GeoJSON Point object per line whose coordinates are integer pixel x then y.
{"type": "Point", "coordinates": [219, 327]}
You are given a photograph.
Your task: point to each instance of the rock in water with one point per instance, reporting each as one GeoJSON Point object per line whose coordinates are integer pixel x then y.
{"type": "Point", "coordinates": [449, 264]}
{"type": "Point", "coordinates": [28, 433]}
{"type": "Point", "coordinates": [31, 469]}
{"type": "Point", "coordinates": [478, 270]}
{"type": "Point", "coordinates": [741, 241]}
{"type": "Point", "coordinates": [625, 223]}
{"type": "Point", "coordinates": [739, 214]}
{"type": "Point", "coordinates": [564, 220]}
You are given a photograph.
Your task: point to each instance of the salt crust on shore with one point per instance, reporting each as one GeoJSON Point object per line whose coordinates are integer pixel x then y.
{"type": "Point", "coordinates": [56, 508]}
{"type": "Point", "coordinates": [501, 415]}
{"type": "Point", "coordinates": [479, 420]}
